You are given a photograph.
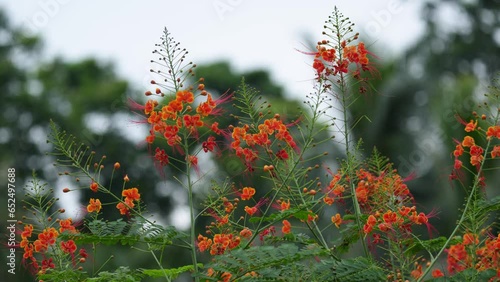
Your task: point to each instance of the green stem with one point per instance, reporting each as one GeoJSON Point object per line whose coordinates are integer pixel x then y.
{"type": "Point", "coordinates": [191, 209]}
{"type": "Point", "coordinates": [159, 264]}
{"type": "Point", "coordinates": [357, 210]}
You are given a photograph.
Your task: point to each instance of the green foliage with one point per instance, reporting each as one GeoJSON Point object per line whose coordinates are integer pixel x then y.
{"type": "Point", "coordinates": [269, 262]}
{"type": "Point", "coordinates": [122, 274]}
{"type": "Point", "coordinates": [377, 162]}
{"type": "Point", "coordinates": [432, 245]}
{"type": "Point", "coordinates": [69, 275]}
{"type": "Point", "coordinates": [357, 269]}
{"type": "Point", "coordinates": [468, 275]}
{"type": "Point", "coordinates": [171, 273]}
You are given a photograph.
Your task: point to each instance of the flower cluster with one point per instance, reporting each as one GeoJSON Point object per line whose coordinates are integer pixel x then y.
{"type": "Point", "coordinates": [131, 195]}
{"type": "Point", "coordinates": [180, 119]}
{"type": "Point", "coordinates": [49, 246]}
{"type": "Point", "coordinates": [471, 253]}
{"type": "Point", "coordinates": [270, 127]}
{"type": "Point", "coordinates": [475, 151]}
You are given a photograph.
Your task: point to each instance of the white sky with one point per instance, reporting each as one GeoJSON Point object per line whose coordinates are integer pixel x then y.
{"type": "Point", "coordinates": [249, 33]}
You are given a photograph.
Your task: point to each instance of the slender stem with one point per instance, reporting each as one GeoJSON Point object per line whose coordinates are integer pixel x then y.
{"type": "Point", "coordinates": [357, 210]}
{"type": "Point", "coordinates": [159, 264]}
{"type": "Point", "coordinates": [191, 211]}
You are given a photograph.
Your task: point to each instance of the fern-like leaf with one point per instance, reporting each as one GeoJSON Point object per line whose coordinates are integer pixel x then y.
{"type": "Point", "coordinates": [270, 262]}
{"type": "Point", "coordinates": [357, 269]}
{"type": "Point", "coordinates": [173, 69]}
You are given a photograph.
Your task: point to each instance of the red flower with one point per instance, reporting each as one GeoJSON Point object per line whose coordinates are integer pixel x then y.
{"type": "Point", "coordinates": [161, 157]}
{"type": "Point", "coordinates": [47, 263]}
{"type": "Point", "coordinates": [437, 273]}
{"type": "Point", "coordinates": [94, 186]}
{"type": "Point", "coordinates": [282, 155]}
{"type": "Point", "coordinates": [287, 227]}
{"type": "Point", "coordinates": [68, 247]}
{"type": "Point", "coordinates": [318, 66]}
{"type": "Point", "coordinates": [209, 145]}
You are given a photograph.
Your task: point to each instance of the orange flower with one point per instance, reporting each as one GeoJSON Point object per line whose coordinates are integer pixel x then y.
{"type": "Point", "coordinates": [149, 107]}
{"type": "Point", "coordinates": [457, 258]}
{"type": "Point", "coordinates": [493, 131]}
{"type": "Point", "coordinates": [67, 224]}
{"type": "Point", "coordinates": [468, 141]}
{"type": "Point", "coordinates": [459, 150]}
{"type": "Point", "coordinates": [192, 121]}
{"type": "Point", "coordinates": [284, 205]}
{"type": "Point", "coordinates": [246, 233]}
{"type": "Point", "coordinates": [185, 96]}
{"type": "Point", "coordinates": [287, 227]}
{"type": "Point", "coordinates": [203, 243]}
{"type": "Point", "coordinates": [45, 239]}
{"type": "Point", "coordinates": [495, 152]}
{"type": "Point", "coordinates": [94, 187]}
{"type": "Point", "coordinates": [40, 246]}
{"type": "Point", "coordinates": [226, 277]}
{"type": "Point", "coordinates": [247, 194]}
{"type": "Point", "coordinates": [94, 205]}
{"type": "Point", "coordinates": [370, 223]}
{"type": "Point", "coordinates": [390, 217]}
{"type": "Point", "coordinates": [250, 210]}
{"type": "Point", "coordinates": [416, 273]}
{"type": "Point", "coordinates": [469, 239]}
{"type": "Point", "coordinates": [361, 194]}
{"type": "Point", "coordinates": [132, 194]}
{"type": "Point", "coordinates": [122, 207]}
{"type": "Point", "coordinates": [337, 220]}
{"type": "Point", "coordinates": [329, 201]}
{"type": "Point", "coordinates": [471, 126]}
{"type": "Point", "coordinates": [28, 229]}
{"type": "Point", "coordinates": [206, 108]}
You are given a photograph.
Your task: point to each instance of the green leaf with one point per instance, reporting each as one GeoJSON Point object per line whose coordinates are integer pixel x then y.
{"type": "Point", "coordinates": [357, 269]}
{"type": "Point", "coordinates": [172, 273]}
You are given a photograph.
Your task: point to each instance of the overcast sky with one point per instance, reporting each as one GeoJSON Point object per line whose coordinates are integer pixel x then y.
{"type": "Point", "coordinates": [249, 33]}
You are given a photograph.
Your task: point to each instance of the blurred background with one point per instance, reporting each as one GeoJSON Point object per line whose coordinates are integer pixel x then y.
{"type": "Point", "coordinates": [78, 62]}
